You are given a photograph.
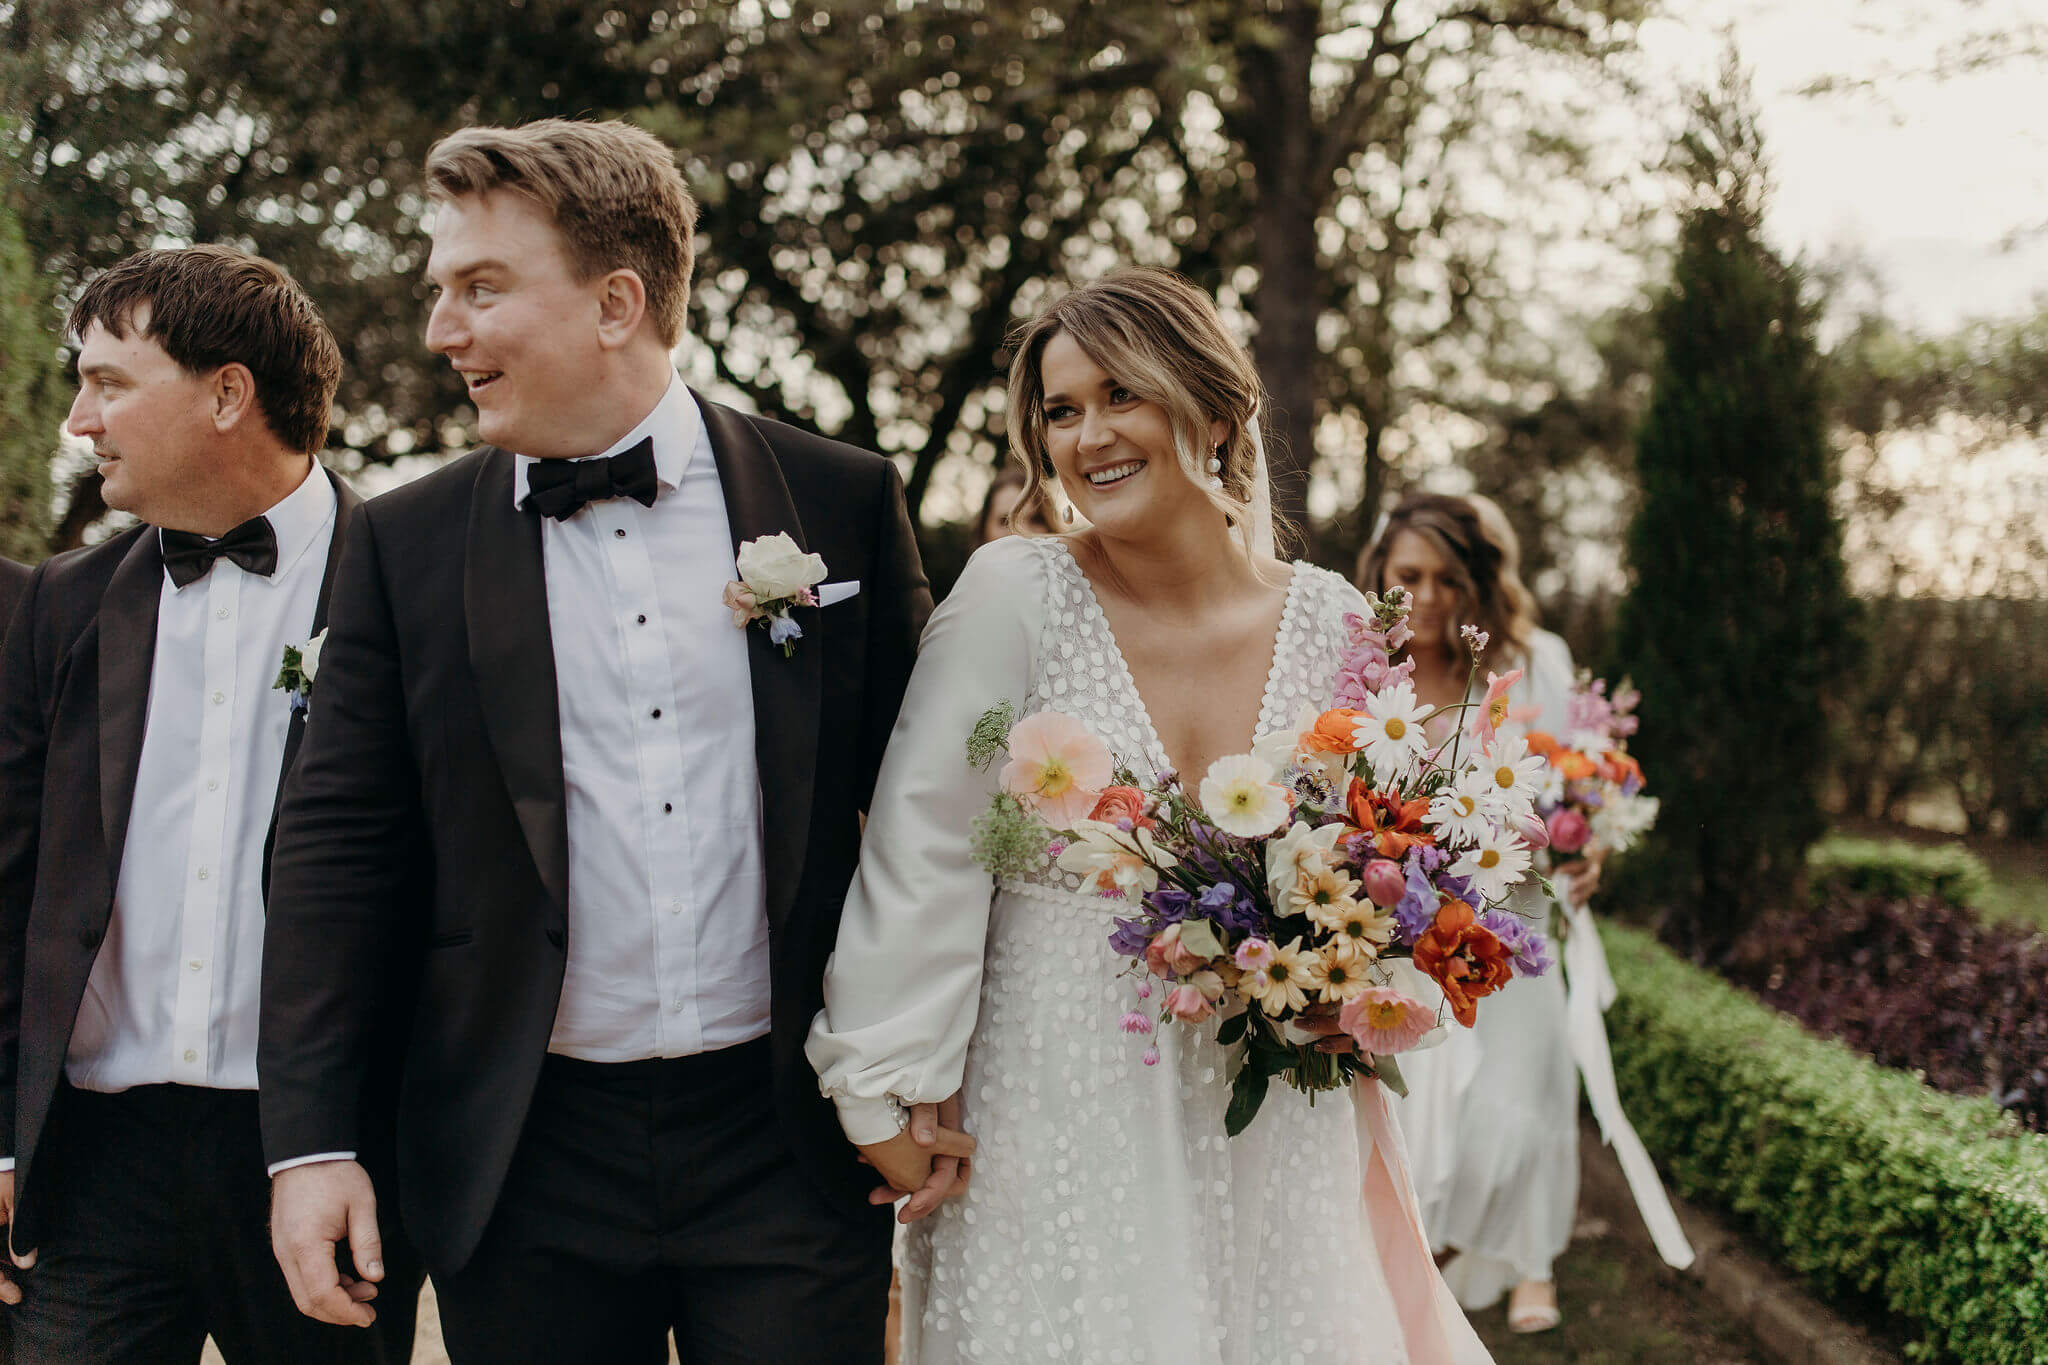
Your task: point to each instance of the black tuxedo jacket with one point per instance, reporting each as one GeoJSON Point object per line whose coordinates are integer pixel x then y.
{"type": "Point", "coordinates": [13, 578]}
{"type": "Point", "coordinates": [74, 697]}
{"type": "Point", "coordinates": [422, 856]}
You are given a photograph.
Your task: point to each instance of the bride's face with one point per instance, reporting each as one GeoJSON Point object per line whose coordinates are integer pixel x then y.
{"type": "Point", "coordinates": [1113, 451]}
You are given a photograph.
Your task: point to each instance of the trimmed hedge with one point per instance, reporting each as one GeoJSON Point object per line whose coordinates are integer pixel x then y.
{"type": "Point", "coordinates": [1862, 1179]}
{"type": "Point", "coordinates": [1896, 870]}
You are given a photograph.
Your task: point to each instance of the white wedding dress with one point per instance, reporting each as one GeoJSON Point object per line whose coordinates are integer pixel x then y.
{"type": "Point", "coordinates": [1109, 1218]}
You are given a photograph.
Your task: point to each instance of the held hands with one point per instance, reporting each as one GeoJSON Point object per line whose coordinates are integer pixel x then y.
{"type": "Point", "coordinates": [1583, 874]}
{"type": "Point", "coordinates": [930, 1160]}
{"type": "Point", "coordinates": [10, 1292]}
{"type": "Point", "coordinates": [311, 1208]}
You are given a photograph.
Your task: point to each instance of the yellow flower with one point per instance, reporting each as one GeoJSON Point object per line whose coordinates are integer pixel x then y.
{"type": "Point", "coordinates": [1282, 983]}
{"type": "Point", "coordinates": [1337, 973]}
{"type": "Point", "coordinates": [1360, 926]}
{"type": "Point", "coordinates": [1319, 889]}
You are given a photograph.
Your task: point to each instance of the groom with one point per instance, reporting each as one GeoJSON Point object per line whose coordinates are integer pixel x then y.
{"type": "Point", "coordinates": [585, 835]}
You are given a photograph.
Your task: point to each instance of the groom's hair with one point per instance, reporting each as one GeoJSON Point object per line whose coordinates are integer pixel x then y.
{"type": "Point", "coordinates": [211, 306]}
{"type": "Point", "coordinates": [613, 190]}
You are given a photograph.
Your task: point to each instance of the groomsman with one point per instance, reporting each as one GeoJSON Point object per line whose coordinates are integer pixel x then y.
{"type": "Point", "coordinates": [626, 816]}
{"type": "Point", "coordinates": [13, 578]}
{"type": "Point", "coordinates": [142, 744]}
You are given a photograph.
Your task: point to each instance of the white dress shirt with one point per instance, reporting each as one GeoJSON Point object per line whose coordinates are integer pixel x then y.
{"type": "Point", "coordinates": [668, 922]}
{"type": "Point", "coordinates": [172, 994]}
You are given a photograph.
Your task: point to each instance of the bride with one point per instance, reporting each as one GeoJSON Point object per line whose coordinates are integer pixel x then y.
{"type": "Point", "coordinates": [1109, 1219]}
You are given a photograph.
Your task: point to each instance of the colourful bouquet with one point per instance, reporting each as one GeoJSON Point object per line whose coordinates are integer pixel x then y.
{"type": "Point", "coordinates": [1593, 793]}
{"type": "Point", "coordinates": [1347, 873]}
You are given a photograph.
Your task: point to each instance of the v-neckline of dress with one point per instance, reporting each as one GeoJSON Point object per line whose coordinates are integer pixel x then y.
{"type": "Point", "coordinates": [1155, 751]}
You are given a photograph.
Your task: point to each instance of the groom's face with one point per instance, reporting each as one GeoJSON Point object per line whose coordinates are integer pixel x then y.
{"type": "Point", "coordinates": [517, 324]}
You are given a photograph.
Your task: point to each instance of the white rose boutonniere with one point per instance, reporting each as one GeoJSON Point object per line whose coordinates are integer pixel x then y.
{"type": "Point", "coordinates": [295, 675]}
{"type": "Point", "coordinates": [776, 575]}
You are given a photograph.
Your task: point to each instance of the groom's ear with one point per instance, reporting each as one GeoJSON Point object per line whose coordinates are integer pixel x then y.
{"type": "Point", "coordinates": [621, 308]}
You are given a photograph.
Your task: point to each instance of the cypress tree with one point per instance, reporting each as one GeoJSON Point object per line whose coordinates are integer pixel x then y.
{"type": "Point", "coordinates": [32, 389]}
{"type": "Point", "coordinates": [1738, 627]}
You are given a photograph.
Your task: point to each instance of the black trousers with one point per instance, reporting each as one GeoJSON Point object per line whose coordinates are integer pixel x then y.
{"type": "Point", "coordinates": [654, 1197]}
{"type": "Point", "coordinates": [158, 1234]}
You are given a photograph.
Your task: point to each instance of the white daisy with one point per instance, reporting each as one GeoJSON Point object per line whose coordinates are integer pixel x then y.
{"type": "Point", "coordinates": [1512, 776]}
{"type": "Point", "coordinates": [1461, 812]}
{"type": "Point", "coordinates": [1390, 733]}
{"type": "Point", "coordinates": [1494, 866]}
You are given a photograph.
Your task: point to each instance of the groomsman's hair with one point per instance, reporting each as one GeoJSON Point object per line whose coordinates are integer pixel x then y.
{"type": "Point", "coordinates": [1162, 338]}
{"type": "Point", "coordinates": [613, 190]}
{"type": "Point", "coordinates": [211, 306]}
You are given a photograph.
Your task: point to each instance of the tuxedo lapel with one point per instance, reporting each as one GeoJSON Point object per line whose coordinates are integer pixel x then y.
{"type": "Point", "coordinates": [345, 504]}
{"type": "Point", "coordinates": [127, 650]}
{"type": "Point", "coordinates": [786, 689]}
{"type": "Point", "coordinates": [512, 656]}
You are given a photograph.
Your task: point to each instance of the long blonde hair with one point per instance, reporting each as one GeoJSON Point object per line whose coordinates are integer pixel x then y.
{"type": "Point", "coordinates": [1163, 340]}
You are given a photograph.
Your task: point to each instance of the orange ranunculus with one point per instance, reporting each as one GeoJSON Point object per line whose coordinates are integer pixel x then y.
{"type": "Point", "coordinates": [1542, 742]}
{"type": "Point", "coordinates": [1464, 957]}
{"type": "Point", "coordinates": [1335, 731]}
{"type": "Point", "coordinates": [1122, 803]}
{"type": "Point", "coordinates": [1394, 827]}
{"type": "Point", "coordinates": [1618, 767]}
{"type": "Point", "coordinates": [1573, 764]}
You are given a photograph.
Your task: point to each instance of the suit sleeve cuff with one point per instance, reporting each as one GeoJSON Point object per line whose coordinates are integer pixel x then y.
{"type": "Point", "coordinates": [278, 1166]}
{"type": "Point", "coordinates": [6, 1164]}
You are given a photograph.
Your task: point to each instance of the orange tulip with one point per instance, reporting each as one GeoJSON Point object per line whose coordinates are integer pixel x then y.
{"type": "Point", "coordinates": [1464, 957]}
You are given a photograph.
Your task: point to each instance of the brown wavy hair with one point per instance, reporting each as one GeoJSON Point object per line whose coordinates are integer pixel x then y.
{"type": "Point", "coordinates": [1472, 534]}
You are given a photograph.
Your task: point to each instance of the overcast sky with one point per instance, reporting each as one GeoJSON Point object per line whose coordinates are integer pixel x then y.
{"type": "Point", "coordinates": [1924, 177]}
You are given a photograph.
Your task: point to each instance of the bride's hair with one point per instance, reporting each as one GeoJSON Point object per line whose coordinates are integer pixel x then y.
{"type": "Point", "coordinates": [1162, 339]}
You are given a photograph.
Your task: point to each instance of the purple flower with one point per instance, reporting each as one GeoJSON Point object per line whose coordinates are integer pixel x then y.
{"type": "Point", "coordinates": [1416, 910]}
{"type": "Point", "coordinates": [1237, 914]}
{"type": "Point", "coordinates": [782, 630]}
{"type": "Point", "coordinates": [1529, 949]}
{"type": "Point", "coordinates": [1130, 937]}
{"type": "Point", "coordinates": [1170, 904]}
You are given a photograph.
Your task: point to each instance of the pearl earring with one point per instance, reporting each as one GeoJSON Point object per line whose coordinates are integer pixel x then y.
{"type": "Point", "coordinates": [1216, 468]}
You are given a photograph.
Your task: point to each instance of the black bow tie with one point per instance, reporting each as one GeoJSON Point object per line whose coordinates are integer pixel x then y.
{"type": "Point", "coordinates": [188, 557]}
{"type": "Point", "coordinates": [562, 488]}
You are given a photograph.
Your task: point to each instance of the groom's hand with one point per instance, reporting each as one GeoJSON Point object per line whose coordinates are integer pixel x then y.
{"type": "Point", "coordinates": [311, 1208]}
{"type": "Point", "coordinates": [931, 1167]}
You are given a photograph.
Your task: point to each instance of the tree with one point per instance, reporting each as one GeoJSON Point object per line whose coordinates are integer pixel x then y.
{"type": "Point", "coordinates": [1739, 625]}
{"type": "Point", "coordinates": [887, 188]}
{"type": "Point", "coordinates": [32, 397]}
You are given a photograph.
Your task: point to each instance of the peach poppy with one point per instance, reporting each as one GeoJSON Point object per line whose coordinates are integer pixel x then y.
{"type": "Point", "coordinates": [1493, 708]}
{"type": "Point", "coordinates": [1056, 766]}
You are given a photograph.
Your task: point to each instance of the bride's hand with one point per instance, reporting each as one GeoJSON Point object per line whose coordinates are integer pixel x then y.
{"type": "Point", "coordinates": [930, 1160]}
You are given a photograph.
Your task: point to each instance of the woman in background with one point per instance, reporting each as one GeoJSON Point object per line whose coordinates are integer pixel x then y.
{"type": "Point", "coordinates": [1000, 515]}
{"type": "Point", "coordinates": [1493, 1114]}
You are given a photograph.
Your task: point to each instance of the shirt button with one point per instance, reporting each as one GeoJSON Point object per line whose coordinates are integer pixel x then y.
{"type": "Point", "coordinates": [203, 874]}
{"type": "Point", "coordinates": [667, 808]}
{"type": "Point", "coordinates": [675, 907]}
{"type": "Point", "coordinates": [213, 784]}
{"type": "Point", "coordinates": [675, 1007]}
{"type": "Point", "coordinates": [219, 697]}
{"type": "Point", "coordinates": [222, 613]}
{"type": "Point", "coordinates": [620, 533]}
{"type": "Point", "coordinates": [656, 713]}
{"type": "Point", "coordinates": [195, 964]}
{"type": "Point", "coordinates": [643, 620]}
{"type": "Point", "coordinates": [191, 1054]}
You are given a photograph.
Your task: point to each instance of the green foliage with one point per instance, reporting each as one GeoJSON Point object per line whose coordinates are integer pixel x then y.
{"type": "Point", "coordinates": [1739, 627]}
{"type": "Point", "coordinates": [991, 737]}
{"type": "Point", "coordinates": [32, 396]}
{"type": "Point", "coordinates": [1898, 870]}
{"type": "Point", "coordinates": [1864, 1180]}
{"type": "Point", "coordinates": [1008, 840]}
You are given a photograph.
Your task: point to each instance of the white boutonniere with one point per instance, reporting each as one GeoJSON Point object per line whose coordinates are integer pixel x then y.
{"type": "Point", "coordinates": [296, 673]}
{"type": "Point", "coordinates": [776, 575]}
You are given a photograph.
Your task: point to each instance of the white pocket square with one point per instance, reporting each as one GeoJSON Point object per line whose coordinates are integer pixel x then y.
{"type": "Point", "coordinates": [828, 593]}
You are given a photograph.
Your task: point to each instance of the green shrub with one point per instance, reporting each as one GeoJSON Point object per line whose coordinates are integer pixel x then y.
{"type": "Point", "coordinates": [1863, 1180]}
{"type": "Point", "coordinates": [1897, 870]}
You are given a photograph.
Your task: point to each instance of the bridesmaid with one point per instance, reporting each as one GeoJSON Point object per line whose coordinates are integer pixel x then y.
{"type": "Point", "coordinates": [1504, 1199]}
